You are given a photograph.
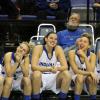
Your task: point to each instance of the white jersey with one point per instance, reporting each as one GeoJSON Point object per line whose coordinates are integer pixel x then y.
{"type": "Point", "coordinates": [45, 60]}
{"type": "Point", "coordinates": [48, 78]}
{"type": "Point", "coordinates": [18, 72]}
{"type": "Point", "coordinates": [81, 65]}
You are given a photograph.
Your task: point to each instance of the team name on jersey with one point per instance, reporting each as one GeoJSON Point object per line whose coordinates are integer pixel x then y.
{"type": "Point", "coordinates": [46, 64]}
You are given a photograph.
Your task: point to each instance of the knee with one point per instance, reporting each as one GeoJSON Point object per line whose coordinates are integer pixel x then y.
{"type": "Point", "coordinates": [89, 80]}
{"type": "Point", "coordinates": [27, 81]}
{"type": "Point", "coordinates": [36, 75]}
{"type": "Point", "coordinates": [79, 80]}
{"type": "Point", "coordinates": [8, 81]}
{"type": "Point", "coordinates": [1, 81]}
{"type": "Point", "coordinates": [66, 75]}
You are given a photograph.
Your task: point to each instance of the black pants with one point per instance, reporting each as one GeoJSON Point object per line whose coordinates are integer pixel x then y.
{"type": "Point", "coordinates": [58, 14]}
{"type": "Point", "coordinates": [9, 8]}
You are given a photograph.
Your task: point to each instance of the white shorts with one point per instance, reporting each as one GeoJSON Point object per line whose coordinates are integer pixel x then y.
{"type": "Point", "coordinates": [49, 82]}
{"type": "Point", "coordinates": [17, 82]}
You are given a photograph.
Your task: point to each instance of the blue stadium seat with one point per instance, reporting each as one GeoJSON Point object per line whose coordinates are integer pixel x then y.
{"type": "Point", "coordinates": [80, 6]}
{"type": "Point", "coordinates": [81, 3]}
{"type": "Point", "coordinates": [97, 45]}
{"type": "Point", "coordinates": [28, 17]}
{"type": "Point", "coordinates": [3, 17]}
{"type": "Point", "coordinates": [24, 17]}
{"type": "Point", "coordinates": [97, 48]}
{"type": "Point", "coordinates": [34, 40]}
{"type": "Point", "coordinates": [51, 17]}
{"type": "Point", "coordinates": [44, 29]}
{"type": "Point", "coordinates": [88, 28]}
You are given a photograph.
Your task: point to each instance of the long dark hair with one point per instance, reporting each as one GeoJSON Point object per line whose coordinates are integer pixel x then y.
{"type": "Point", "coordinates": [46, 36]}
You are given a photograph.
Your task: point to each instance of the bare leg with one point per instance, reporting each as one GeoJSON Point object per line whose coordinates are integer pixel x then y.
{"type": "Point", "coordinates": [79, 84]}
{"type": "Point", "coordinates": [1, 84]}
{"type": "Point", "coordinates": [79, 81]}
{"type": "Point", "coordinates": [36, 81]}
{"type": "Point", "coordinates": [92, 88]}
{"type": "Point", "coordinates": [63, 82]}
{"type": "Point", "coordinates": [7, 87]}
{"type": "Point", "coordinates": [36, 84]}
{"type": "Point", "coordinates": [27, 85]}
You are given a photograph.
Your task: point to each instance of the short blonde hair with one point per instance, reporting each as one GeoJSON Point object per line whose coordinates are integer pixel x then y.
{"type": "Point", "coordinates": [87, 35]}
{"type": "Point", "coordinates": [27, 44]}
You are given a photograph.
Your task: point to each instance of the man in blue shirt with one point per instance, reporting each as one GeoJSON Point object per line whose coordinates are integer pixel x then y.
{"type": "Point", "coordinates": [57, 8]}
{"type": "Point", "coordinates": [68, 37]}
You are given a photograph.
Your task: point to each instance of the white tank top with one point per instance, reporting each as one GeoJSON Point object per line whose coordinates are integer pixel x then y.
{"type": "Point", "coordinates": [80, 64]}
{"type": "Point", "coordinates": [46, 61]}
{"type": "Point", "coordinates": [18, 70]}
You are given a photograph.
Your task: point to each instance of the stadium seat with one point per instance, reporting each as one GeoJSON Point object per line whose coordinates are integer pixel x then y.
{"type": "Point", "coordinates": [80, 6]}
{"type": "Point", "coordinates": [28, 17]}
{"type": "Point", "coordinates": [24, 17]}
{"type": "Point", "coordinates": [81, 3]}
{"type": "Point", "coordinates": [34, 40]}
{"type": "Point", "coordinates": [3, 17]}
{"type": "Point", "coordinates": [97, 46]}
{"type": "Point", "coordinates": [43, 29]}
{"type": "Point", "coordinates": [88, 28]}
{"type": "Point", "coordinates": [51, 17]}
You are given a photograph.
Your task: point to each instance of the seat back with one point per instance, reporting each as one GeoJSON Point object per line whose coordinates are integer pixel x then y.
{"type": "Point", "coordinates": [35, 41]}
{"type": "Point", "coordinates": [97, 45]}
{"type": "Point", "coordinates": [44, 29]}
{"type": "Point", "coordinates": [97, 49]}
{"type": "Point", "coordinates": [89, 29]}
{"type": "Point", "coordinates": [80, 6]}
{"type": "Point", "coordinates": [81, 3]}
{"type": "Point", "coordinates": [3, 17]}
